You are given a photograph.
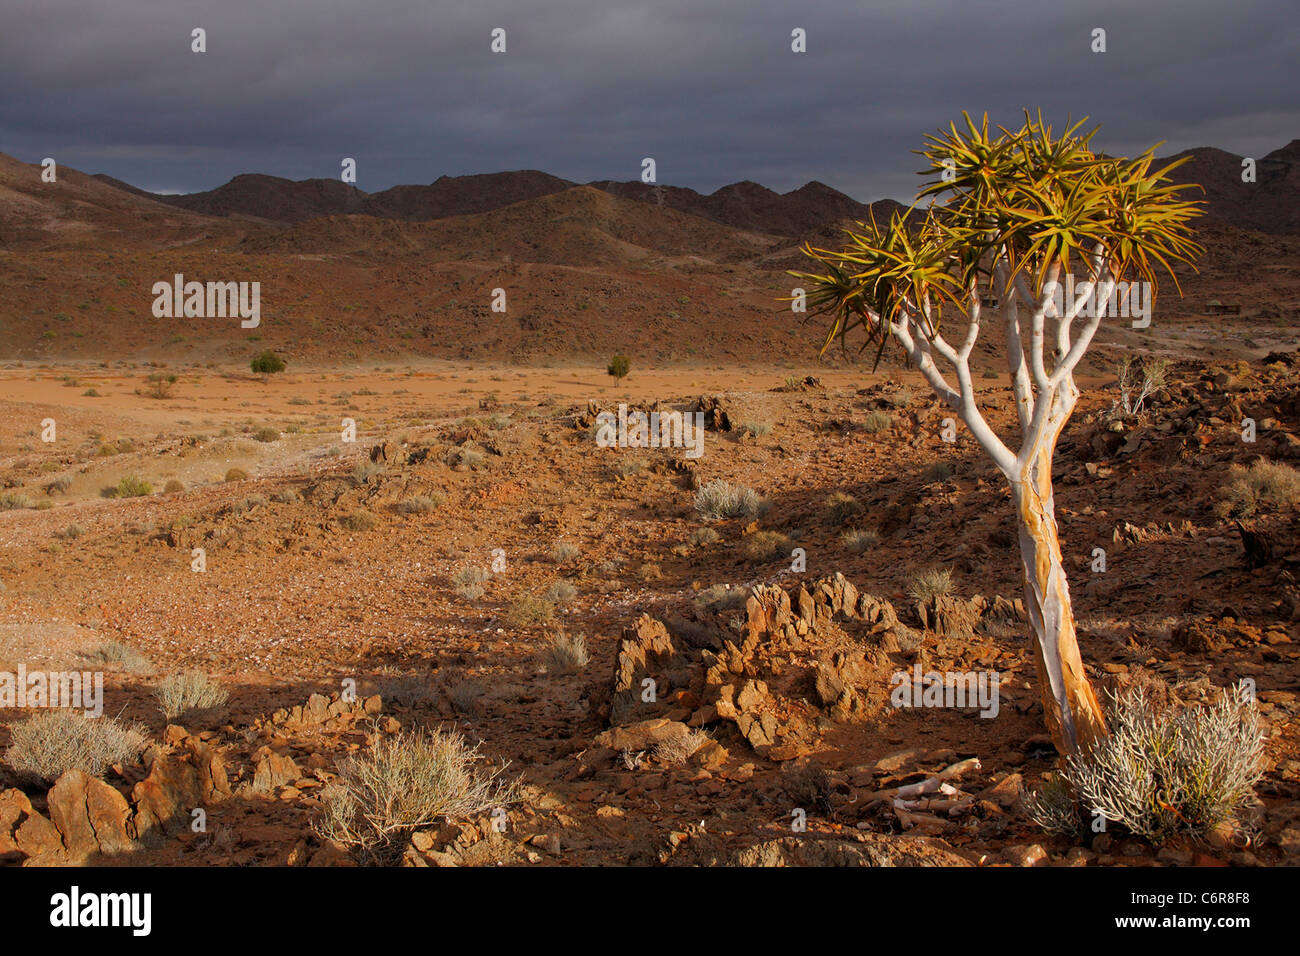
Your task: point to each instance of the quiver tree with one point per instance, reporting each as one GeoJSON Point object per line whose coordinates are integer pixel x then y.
{"type": "Point", "coordinates": [1015, 215]}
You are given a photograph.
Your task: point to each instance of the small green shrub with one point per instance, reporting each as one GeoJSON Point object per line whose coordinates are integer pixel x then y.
{"type": "Point", "coordinates": [471, 576]}
{"type": "Point", "coordinates": [188, 692]}
{"type": "Point", "coordinates": [418, 505]}
{"type": "Point", "coordinates": [565, 654]}
{"type": "Point", "coordinates": [842, 507]}
{"type": "Point", "coordinates": [121, 657]}
{"type": "Point", "coordinates": [938, 471]}
{"type": "Point", "coordinates": [762, 545]}
{"type": "Point", "coordinates": [1265, 486]}
{"type": "Point", "coordinates": [702, 537]}
{"type": "Point", "coordinates": [561, 592]}
{"type": "Point", "coordinates": [619, 366]}
{"type": "Point", "coordinates": [409, 782]}
{"type": "Point", "coordinates": [722, 597]}
{"type": "Point", "coordinates": [675, 751]}
{"type": "Point", "coordinates": [267, 363]}
{"type": "Point", "coordinates": [158, 385]}
{"type": "Point", "coordinates": [470, 459]}
{"type": "Point", "coordinates": [563, 552]}
{"type": "Point", "coordinates": [133, 487]}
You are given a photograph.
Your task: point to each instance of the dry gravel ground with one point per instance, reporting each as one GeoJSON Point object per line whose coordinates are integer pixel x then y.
{"type": "Point", "coordinates": [317, 573]}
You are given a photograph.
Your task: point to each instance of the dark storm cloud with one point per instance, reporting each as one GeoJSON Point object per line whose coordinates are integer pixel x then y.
{"type": "Point", "coordinates": [589, 87]}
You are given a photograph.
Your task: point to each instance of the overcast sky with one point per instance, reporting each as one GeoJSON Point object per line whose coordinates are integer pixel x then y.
{"type": "Point", "coordinates": [709, 88]}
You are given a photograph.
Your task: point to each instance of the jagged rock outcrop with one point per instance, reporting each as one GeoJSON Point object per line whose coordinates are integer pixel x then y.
{"type": "Point", "coordinates": [645, 652]}
{"type": "Point", "coordinates": [332, 713]}
{"type": "Point", "coordinates": [948, 616]}
{"type": "Point", "coordinates": [92, 817]}
{"type": "Point", "coordinates": [166, 799]}
{"type": "Point", "coordinates": [798, 655]}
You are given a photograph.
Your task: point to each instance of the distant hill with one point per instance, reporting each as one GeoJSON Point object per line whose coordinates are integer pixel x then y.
{"type": "Point", "coordinates": [1271, 204]}
{"type": "Point", "coordinates": [118, 184]}
{"type": "Point", "coordinates": [276, 199]}
{"type": "Point", "coordinates": [581, 226]}
{"type": "Point", "coordinates": [32, 212]}
{"type": "Point", "coordinates": [463, 195]}
{"type": "Point", "coordinates": [747, 205]}
{"type": "Point", "coordinates": [79, 209]}
{"type": "Point", "coordinates": [744, 205]}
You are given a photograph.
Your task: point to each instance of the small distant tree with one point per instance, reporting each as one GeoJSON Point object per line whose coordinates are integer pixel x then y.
{"type": "Point", "coordinates": [160, 385]}
{"type": "Point", "coordinates": [1021, 209]}
{"type": "Point", "coordinates": [266, 363]}
{"type": "Point", "coordinates": [619, 366]}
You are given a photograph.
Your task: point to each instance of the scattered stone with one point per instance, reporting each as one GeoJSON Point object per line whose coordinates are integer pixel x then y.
{"type": "Point", "coordinates": [298, 855]}
{"type": "Point", "coordinates": [951, 617]}
{"type": "Point", "coordinates": [274, 770]}
{"type": "Point", "coordinates": [175, 734]}
{"type": "Point", "coordinates": [1021, 855]}
{"type": "Point", "coordinates": [548, 842]}
{"type": "Point", "coordinates": [1006, 792]}
{"type": "Point", "coordinates": [332, 853]}
{"type": "Point", "coordinates": [214, 785]}
{"type": "Point", "coordinates": [644, 735]}
{"type": "Point", "coordinates": [710, 756]}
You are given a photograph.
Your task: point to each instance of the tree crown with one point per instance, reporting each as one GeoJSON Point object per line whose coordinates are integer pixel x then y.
{"type": "Point", "coordinates": [1019, 203]}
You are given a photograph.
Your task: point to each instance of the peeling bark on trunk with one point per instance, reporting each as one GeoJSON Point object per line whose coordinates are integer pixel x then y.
{"type": "Point", "coordinates": [1072, 712]}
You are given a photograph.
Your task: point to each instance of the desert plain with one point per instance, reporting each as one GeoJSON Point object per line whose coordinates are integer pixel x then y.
{"type": "Point", "coordinates": [437, 565]}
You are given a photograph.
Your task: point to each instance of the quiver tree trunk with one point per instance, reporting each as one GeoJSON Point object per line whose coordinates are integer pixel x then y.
{"type": "Point", "coordinates": [1070, 707]}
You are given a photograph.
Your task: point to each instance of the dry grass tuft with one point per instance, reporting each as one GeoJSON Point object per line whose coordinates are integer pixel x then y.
{"type": "Point", "coordinates": [116, 656]}
{"type": "Point", "coordinates": [50, 743]}
{"type": "Point", "coordinates": [930, 584]}
{"type": "Point", "coordinates": [188, 692]}
{"type": "Point", "coordinates": [565, 653]}
{"type": "Point", "coordinates": [1265, 486]}
{"type": "Point", "coordinates": [719, 500]}
{"type": "Point", "coordinates": [407, 782]}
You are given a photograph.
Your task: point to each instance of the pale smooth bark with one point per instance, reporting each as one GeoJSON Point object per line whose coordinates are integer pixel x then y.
{"type": "Point", "coordinates": [1045, 394]}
